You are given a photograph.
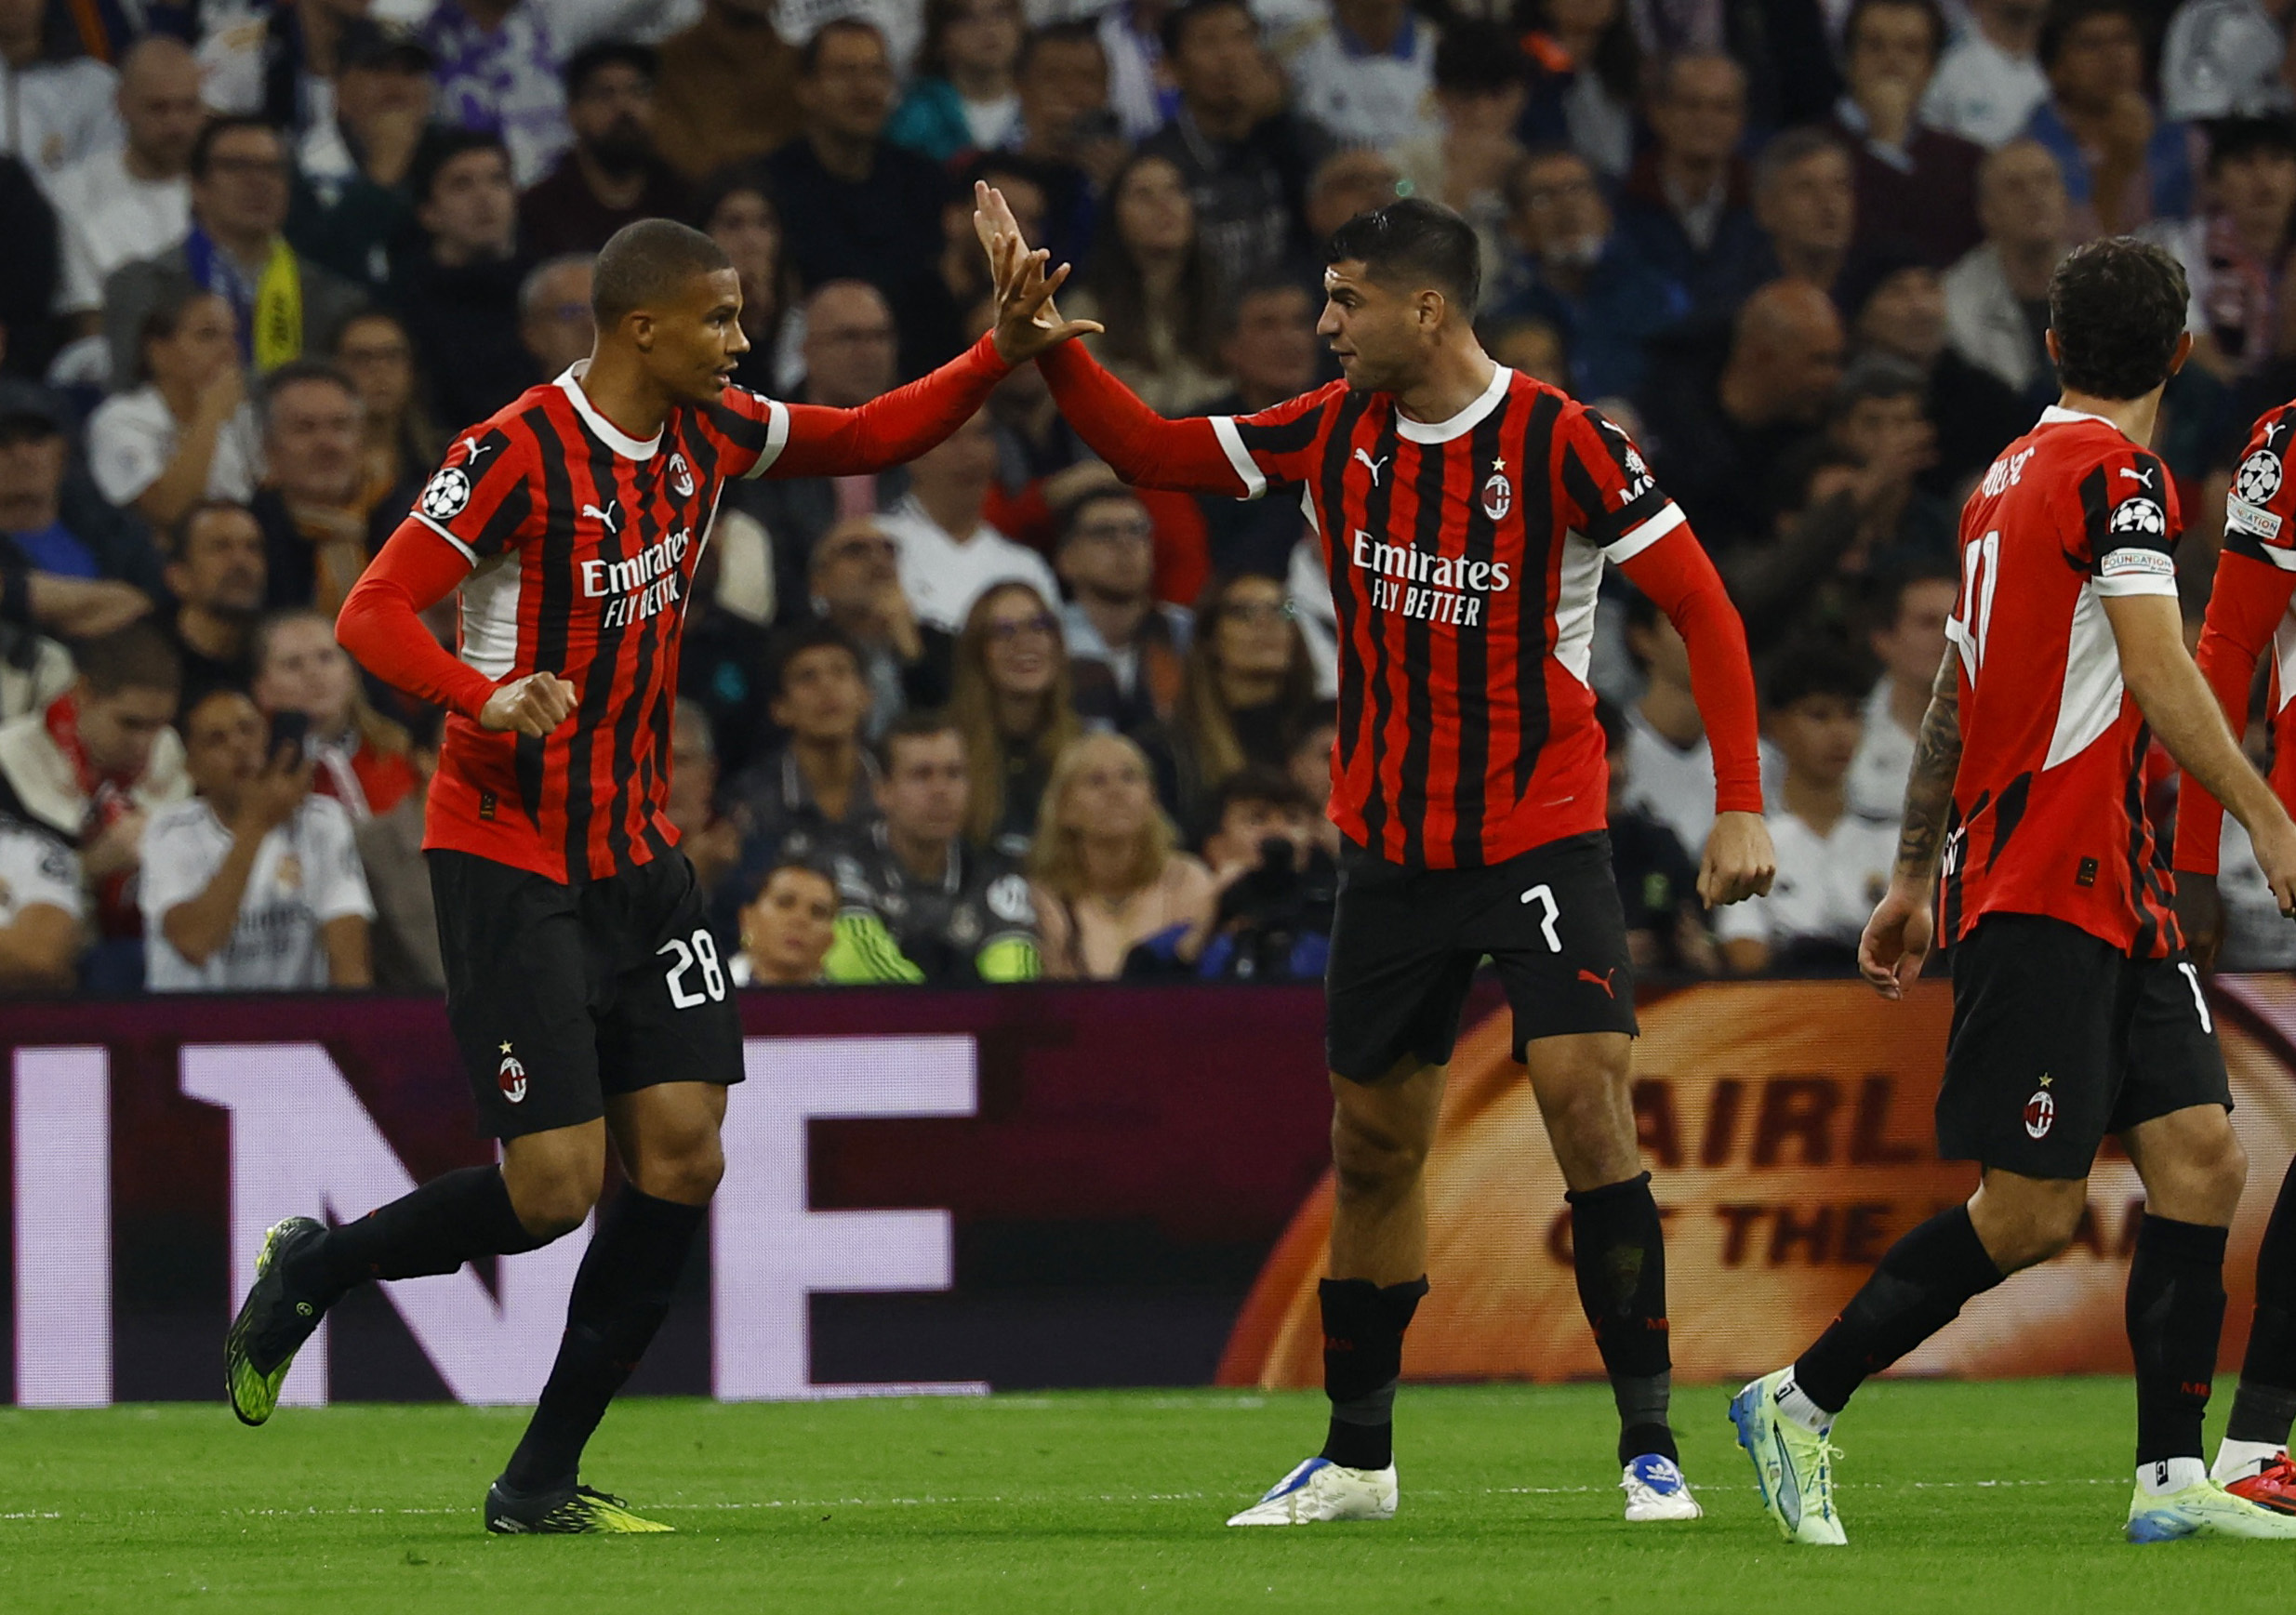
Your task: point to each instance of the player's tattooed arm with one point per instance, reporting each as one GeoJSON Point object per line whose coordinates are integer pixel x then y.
{"type": "Point", "coordinates": [1929, 788]}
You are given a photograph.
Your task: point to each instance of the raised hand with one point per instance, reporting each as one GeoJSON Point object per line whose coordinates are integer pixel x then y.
{"type": "Point", "coordinates": [1028, 323]}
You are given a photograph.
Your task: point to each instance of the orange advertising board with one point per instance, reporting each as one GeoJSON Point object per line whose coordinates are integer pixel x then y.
{"type": "Point", "coordinates": [1788, 1127]}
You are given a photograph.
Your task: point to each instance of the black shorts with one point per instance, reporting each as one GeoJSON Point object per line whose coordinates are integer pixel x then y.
{"type": "Point", "coordinates": [1406, 943]}
{"type": "Point", "coordinates": [2059, 1038]}
{"type": "Point", "coordinates": [561, 995]}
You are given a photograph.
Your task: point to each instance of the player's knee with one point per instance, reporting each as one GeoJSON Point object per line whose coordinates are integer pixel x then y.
{"type": "Point", "coordinates": [552, 1199]}
{"type": "Point", "coordinates": [689, 1177]}
{"type": "Point", "coordinates": [1370, 1159]}
{"type": "Point", "coordinates": [2025, 1222]}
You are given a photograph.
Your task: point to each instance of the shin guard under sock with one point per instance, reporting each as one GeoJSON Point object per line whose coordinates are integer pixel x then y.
{"type": "Point", "coordinates": [2176, 1316]}
{"type": "Point", "coordinates": [621, 1296]}
{"type": "Point", "coordinates": [1618, 1247]}
{"type": "Point", "coordinates": [1923, 1282]}
{"type": "Point", "coordinates": [1363, 1329]}
{"type": "Point", "coordinates": [2265, 1404]}
{"type": "Point", "coordinates": [433, 1229]}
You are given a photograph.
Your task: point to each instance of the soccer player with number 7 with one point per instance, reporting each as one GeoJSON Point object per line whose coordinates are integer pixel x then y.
{"type": "Point", "coordinates": [2076, 1010]}
{"type": "Point", "coordinates": [583, 988]}
{"type": "Point", "coordinates": [1468, 512]}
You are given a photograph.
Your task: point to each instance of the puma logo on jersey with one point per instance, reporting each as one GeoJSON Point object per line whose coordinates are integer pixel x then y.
{"type": "Point", "coordinates": [2142, 474]}
{"type": "Point", "coordinates": [1602, 981]}
{"type": "Point", "coordinates": [610, 518]}
{"type": "Point", "coordinates": [1374, 465]}
{"type": "Point", "coordinates": [473, 449]}
{"type": "Point", "coordinates": [2274, 429]}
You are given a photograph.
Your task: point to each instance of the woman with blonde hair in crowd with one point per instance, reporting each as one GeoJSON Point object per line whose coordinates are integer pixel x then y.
{"type": "Point", "coordinates": [1247, 693]}
{"type": "Point", "coordinates": [1013, 702]}
{"type": "Point", "coordinates": [403, 444]}
{"type": "Point", "coordinates": [1105, 869]}
{"type": "Point", "coordinates": [1151, 283]}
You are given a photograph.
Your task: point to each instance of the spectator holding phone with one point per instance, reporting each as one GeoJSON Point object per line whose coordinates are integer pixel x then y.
{"type": "Point", "coordinates": [254, 883]}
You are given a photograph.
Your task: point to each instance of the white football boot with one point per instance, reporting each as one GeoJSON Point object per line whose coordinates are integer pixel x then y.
{"type": "Point", "coordinates": [1319, 1490]}
{"type": "Point", "coordinates": [1656, 1489]}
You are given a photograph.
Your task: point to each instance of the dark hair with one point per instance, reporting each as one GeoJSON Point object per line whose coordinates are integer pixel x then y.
{"type": "Point", "coordinates": [1475, 58]}
{"type": "Point", "coordinates": [809, 53]}
{"type": "Point", "coordinates": [439, 147]}
{"type": "Point", "coordinates": [1886, 597]}
{"type": "Point", "coordinates": [714, 193]}
{"type": "Point", "coordinates": [1790, 149]}
{"type": "Point", "coordinates": [604, 53]}
{"type": "Point", "coordinates": [2064, 16]}
{"type": "Point", "coordinates": [648, 261]}
{"type": "Point", "coordinates": [173, 293]}
{"type": "Point", "coordinates": [1176, 21]}
{"type": "Point", "coordinates": [987, 165]}
{"type": "Point", "coordinates": [1930, 13]}
{"type": "Point", "coordinates": [1228, 317]}
{"type": "Point", "coordinates": [914, 725]}
{"type": "Point", "coordinates": [801, 863]}
{"type": "Point", "coordinates": [181, 530]}
{"type": "Point", "coordinates": [135, 657]}
{"type": "Point", "coordinates": [1815, 668]}
{"type": "Point", "coordinates": [1072, 509]}
{"type": "Point", "coordinates": [2230, 138]}
{"type": "Point", "coordinates": [1113, 276]}
{"type": "Point", "coordinates": [1417, 239]}
{"type": "Point", "coordinates": [214, 129]}
{"type": "Point", "coordinates": [1057, 33]}
{"type": "Point", "coordinates": [794, 642]}
{"type": "Point", "coordinates": [2117, 307]}
{"type": "Point", "coordinates": [1255, 782]}
{"type": "Point", "coordinates": [295, 372]}
{"type": "Point", "coordinates": [1876, 376]}
{"type": "Point", "coordinates": [932, 60]}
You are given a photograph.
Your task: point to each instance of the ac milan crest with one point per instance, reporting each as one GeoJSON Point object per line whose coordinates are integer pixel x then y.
{"type": "Point", "coordinates": [2041, 1113]}
{"type": "Point", "coordinates": [512, 1076]}
{"type": "Point", "coordinates": [1498, 493]}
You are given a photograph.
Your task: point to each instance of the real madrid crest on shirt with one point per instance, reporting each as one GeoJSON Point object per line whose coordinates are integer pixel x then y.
{"type": "Point", "coordinates": [1498, 493]}
{"type": "Point", "coordinates": [447, 494]}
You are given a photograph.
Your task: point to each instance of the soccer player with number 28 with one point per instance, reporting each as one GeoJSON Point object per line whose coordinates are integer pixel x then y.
{"type": "Point", "coordinates": [2249, 609]}
{"type": "Point", "coordinates": [1467, 512]}
{"type": "Point", "coordinates": [2076, 1011]}
{"type": "Point", "coordinates": [583, 991]}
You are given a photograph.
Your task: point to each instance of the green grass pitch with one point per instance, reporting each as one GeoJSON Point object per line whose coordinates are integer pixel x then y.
{"type": "Point", "coordinates": [1958, 1497]}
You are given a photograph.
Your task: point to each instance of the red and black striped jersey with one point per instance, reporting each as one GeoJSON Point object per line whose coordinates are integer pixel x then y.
{"type": "Point", "coordinates": [1464, 557]}
{"type": "Point", "coordinates": [2250, 610]}
{"type": "Point", "coordinates": [2048, 799]}
{"type": "Point", "coordinates": [575, 548]}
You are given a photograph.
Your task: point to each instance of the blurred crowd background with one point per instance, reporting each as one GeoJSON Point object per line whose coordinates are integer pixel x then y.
{"type": "Point", "coordinates": [993, 716]}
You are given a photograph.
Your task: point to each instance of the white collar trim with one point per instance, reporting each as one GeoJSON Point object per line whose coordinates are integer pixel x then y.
{"type": "Point", "coordinates": [1466, 420]}
{"type": "Point", "coordinates": [615, 438]}
{"type": "Point", "coordinates": [2057, 415]}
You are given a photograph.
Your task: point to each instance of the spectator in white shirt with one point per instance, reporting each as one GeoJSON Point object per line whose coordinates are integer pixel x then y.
{"type": "Point", "coordinates": [1106, 555]}
{"type": "Point", "coordinates": [2225, 58]}
{"type": "Point", "coordinates": [41, 909]}
{"type": "Point", "coordinates": [1996, 298]}
{"type": "Point", "coordinates": [1369, 74]}
{"type": "Point", "coordinates": [949, 556]}
{"type": "Point", "coordinates": [187, 432]}
{"type": "Point", "coordinates": [1833, 862]}
{"type": "Point", "coordinates": [1909, 641]}
{"type": "Point", "coordinates": [1670, 763]}
{"type": "Point", "coordinates": [1990, 79]}
{"type": "Point", "coordinates": [55, 109]}
{"type": "Point", "coordinates": [255, 883]}
{"type": "Point", "coordinates": [129, 202]}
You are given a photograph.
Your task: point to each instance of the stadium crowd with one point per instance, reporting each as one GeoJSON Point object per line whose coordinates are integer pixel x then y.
{"type": "Point", "coordinates": [994, 715]}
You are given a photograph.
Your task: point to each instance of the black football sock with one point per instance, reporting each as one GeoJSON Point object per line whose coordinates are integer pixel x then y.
{"type": "Point", "coordinates": [1923, 1282]}
{"type": "Point", "coordinates": [2265, 1404]}
{"type": "Point", "coordinates": [1618, 1247]}
{"type": "Point", "coordinates": [1363, 1329]}
{"type": "Point", "coordinates": [433, 1229]}
{"type": "Point", "coordinates": [620, 1297]}
{"type": "Point", "coordinates": [2176, 1316]}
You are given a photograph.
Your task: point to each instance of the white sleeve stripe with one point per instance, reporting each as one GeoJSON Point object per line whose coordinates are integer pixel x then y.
{"type": "Point", "coordinates": [1628, 545]}
{"type": "Point", "coordinates": [2283, 559]}
{"type": "Point", "coordinates": [2120, 586]}
{"type": "Point", "coordinates": [776, 438]}
{"type": "Point", "coordinates": [1223, 427]}
{"type": "Point", "coordinates": [469, 554]}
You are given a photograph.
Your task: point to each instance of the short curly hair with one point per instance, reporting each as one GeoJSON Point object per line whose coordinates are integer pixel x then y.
{"type": "Point", "coordinates": [2117, 307]}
